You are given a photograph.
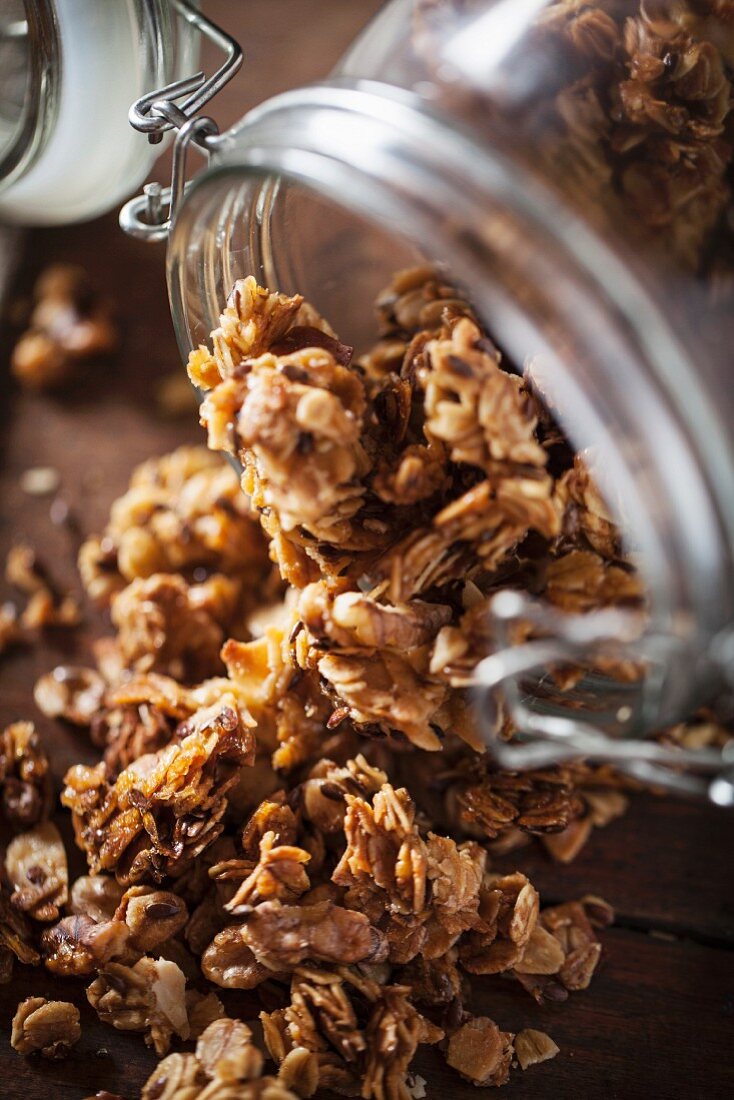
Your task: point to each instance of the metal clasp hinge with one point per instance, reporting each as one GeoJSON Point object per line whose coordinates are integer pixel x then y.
{"type": "Point", "coordinates": [150, 216]}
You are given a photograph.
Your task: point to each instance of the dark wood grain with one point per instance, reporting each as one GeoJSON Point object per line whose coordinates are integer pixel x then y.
{"type": "Point", "coordinates": [659, 1018]}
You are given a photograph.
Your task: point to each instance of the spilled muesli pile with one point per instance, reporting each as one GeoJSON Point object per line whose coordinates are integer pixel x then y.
{"type": "Point", "coordinates": [292, 796]}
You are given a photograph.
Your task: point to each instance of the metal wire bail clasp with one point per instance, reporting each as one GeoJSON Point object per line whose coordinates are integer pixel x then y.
{"type": "Point", "coordinates": [602, 716]}
{"type": "Point", "coordinates": [150, 216]}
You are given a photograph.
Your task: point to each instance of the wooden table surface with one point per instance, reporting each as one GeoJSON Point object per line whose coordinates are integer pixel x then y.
{"type": "Point", "coordinates": [658, 1020]}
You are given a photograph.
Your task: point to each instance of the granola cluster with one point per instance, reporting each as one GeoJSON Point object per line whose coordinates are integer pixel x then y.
{"type": "Point", "coordinates": [399, 491]}
{"type": "Point", "coordinates": [181, 565]}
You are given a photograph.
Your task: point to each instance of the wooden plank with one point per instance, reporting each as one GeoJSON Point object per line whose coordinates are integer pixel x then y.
{"type": "Point", "coordinates": [666, 865]}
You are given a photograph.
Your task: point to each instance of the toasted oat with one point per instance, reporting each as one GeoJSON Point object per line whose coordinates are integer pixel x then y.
{"type": "Point", "coordinates": [480, 1052]}
{"type": "Point", "coordinates": [533, 1046]}
{"type": "Point", "coordinates": [177, 1077]}
{"type": "Point", "coordinates": [299, 1071]}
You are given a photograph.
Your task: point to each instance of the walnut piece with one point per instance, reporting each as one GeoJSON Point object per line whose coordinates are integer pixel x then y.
{"type": "Point", "coordinates": [51, 1027]}
{"type": "Point", "coordinates": [35, 864]}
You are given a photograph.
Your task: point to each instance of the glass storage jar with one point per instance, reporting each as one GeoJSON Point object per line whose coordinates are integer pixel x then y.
{"type": "Point", "coordinates": [568, 162]}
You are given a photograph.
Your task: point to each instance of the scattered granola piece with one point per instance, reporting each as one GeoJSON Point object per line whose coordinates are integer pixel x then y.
{"type": "Point", "coordinates": [35, 865]}
{"type": "Point", "coordinates": [166, 625]}
{"type": "Point", "coordinates": [184, 513]}
{"type": "Point", "coordinates": [46, 605]}
{"type": "Point", "coordinates": [51, 1027]}
{"type": "Point", "coordinates": [70, 692]}
{"type": "Point", "coordinates": [480, 1052]}
{"type": "Point", "coordinates": [147, 997]}
{"type": "Point", "coordinates": [533, 1046]}
{"type": "Point", "coordinates": [321, 1018]}
{"type": "Point", "coordinates": [69, 325]}
{"type": "Point", "coordinates": [25, 779]}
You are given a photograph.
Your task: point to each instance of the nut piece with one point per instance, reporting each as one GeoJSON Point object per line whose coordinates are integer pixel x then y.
{"type": "Point", "coordinates": [96, 897]}
{"type": "Point", "coordinates": [76, 946]}
{"type": "Point", "coordinates": [533, 1046]}
{"type": "Point", "coordinates": [35, 863]}
{"type": "Point", "coordinates": [153, 916]}
{"type": "Point", "coordinates": [282, 936]}
{"type": "Point", "coordinates": [72, 693]}
{"type": "Point", "coordinates": [481, 1052]}
{"type": "Point", "coordinates": [51, 1027]}
{"type": "Point", "coordinates": [230, 963]}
